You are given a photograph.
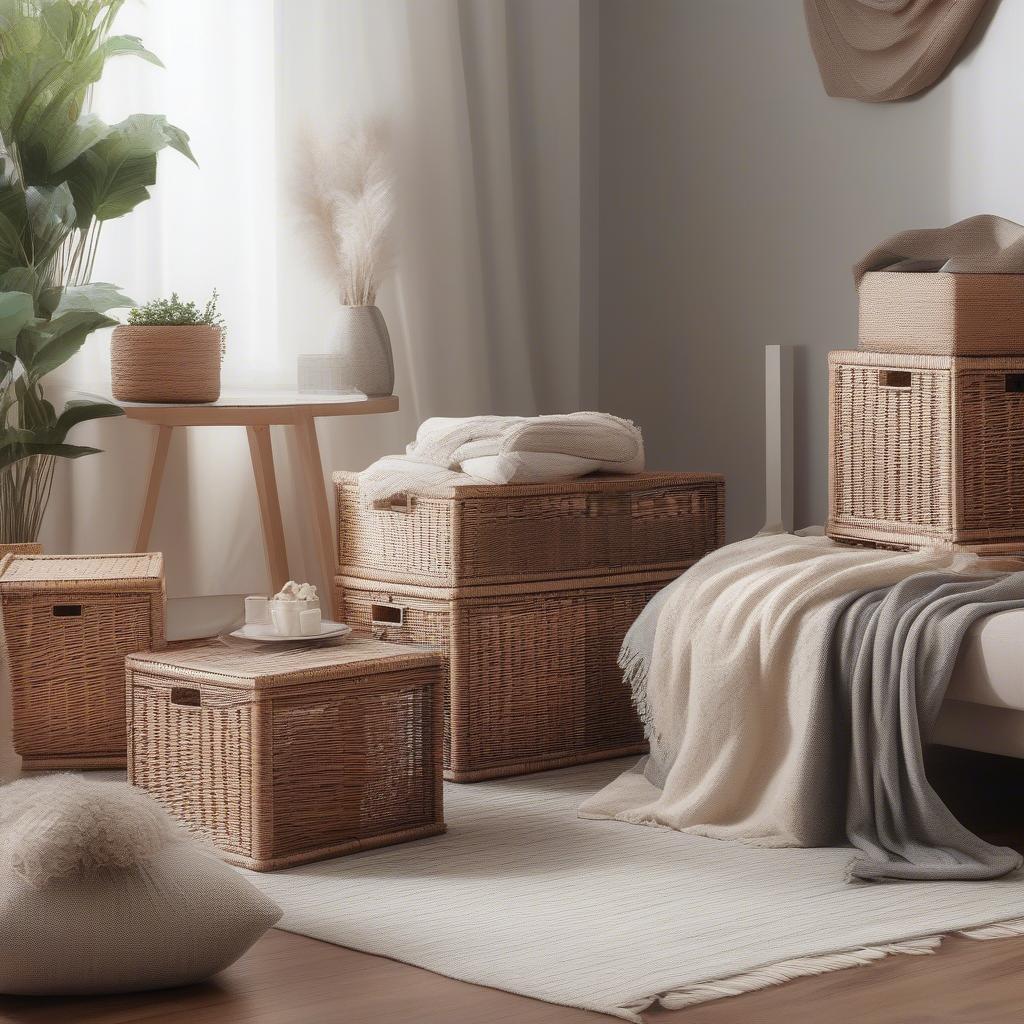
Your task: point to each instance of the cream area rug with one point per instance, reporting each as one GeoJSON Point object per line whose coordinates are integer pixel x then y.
{"type": "Point", "coordinates": [523, 895]}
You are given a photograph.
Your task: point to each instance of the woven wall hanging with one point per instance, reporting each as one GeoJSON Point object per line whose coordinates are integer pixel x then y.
{"type": "Point", "coordinates": [879, 50]}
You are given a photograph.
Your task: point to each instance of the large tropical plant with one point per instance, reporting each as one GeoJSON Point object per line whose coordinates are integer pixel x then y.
{"type": "Point", "coordinates": [64, 172]}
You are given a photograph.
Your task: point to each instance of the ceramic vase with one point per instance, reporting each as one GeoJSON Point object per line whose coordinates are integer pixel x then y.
{"type": "Point", "coordinates": [358, 356]}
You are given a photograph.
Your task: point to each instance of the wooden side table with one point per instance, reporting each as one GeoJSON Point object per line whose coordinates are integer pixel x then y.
{"type": "Point", "coordinates": [258, 412]}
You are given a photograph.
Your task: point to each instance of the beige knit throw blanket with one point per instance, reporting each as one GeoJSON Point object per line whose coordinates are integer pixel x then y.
{"type": "Point", "coordinates": [433, 463]}
{"type": "Point", "coordinates": [878, 50]}
{"type": "Point", "coordinates": [732, 700]}
{"type": "Point", "coordinates": [978, 245]}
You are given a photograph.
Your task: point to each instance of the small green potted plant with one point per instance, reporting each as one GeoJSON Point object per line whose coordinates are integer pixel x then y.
{"type": "Point", "coordinates": [169, 351]}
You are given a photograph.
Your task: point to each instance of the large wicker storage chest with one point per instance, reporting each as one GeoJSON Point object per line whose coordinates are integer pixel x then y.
{"type": "Point", "coordinates": [529, 590]}
{"type": "Point", "coordinates": [533, 679]}
{"type": "Point", "coordinates": [518, 533]}
{"type": "Point", "coordinates": [279, 757]}
{"type": "Point", "coordinates": [69, 621]}
{"type": "Point", "coordinates": [927, 450]}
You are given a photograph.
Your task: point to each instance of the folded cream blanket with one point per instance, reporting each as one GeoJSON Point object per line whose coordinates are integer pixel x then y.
{"type": "Point", "coordinates": [446, 451]}
{"type": "Point", "coordinates": [727, 664]}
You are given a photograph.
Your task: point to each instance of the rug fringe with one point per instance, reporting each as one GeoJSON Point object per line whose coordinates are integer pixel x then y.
{"type": "Point", "coordinates": [1001, 930]}
{"type": "Point", "coordinates": [787, 970]}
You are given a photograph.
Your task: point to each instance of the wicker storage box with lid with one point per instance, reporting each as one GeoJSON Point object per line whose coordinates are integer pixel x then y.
{"type": "Point", "coordinates": [533, 679]}
{"type": "Point", "coordinates": [279, 757]}
{"type": "Point", "coordinates": [69, 621]}
{"type": "Point", "coordinates": [942, 314]}
{"type": "Point", "coordinates": [927, 450]}
{"type": "Point", "coordinates": [595, 526]}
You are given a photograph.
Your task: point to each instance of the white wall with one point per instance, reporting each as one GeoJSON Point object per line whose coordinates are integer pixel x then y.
{"type": "Point", "coordinates": [734, 198]}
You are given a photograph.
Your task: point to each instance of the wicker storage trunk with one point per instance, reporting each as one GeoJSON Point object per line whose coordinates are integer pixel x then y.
{"type": "Point", "coordinates": [68, 624]}
{"type": "Point", "coordinates": [942, 314]}
{"type": "Point", "coordinates": [927, 450]}
{"type": "Point", "coordinates": [283, 757]}
{"type": "Point", "coordinates": [489, 535]}
{"type": "Point", "coordinates": [533, 680]}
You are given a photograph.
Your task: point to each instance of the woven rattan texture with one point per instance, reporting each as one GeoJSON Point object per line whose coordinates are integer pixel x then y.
{"type": "Point", "coordinates": [942, 314]}
{"type": "Point", "coordinates": [927, 450]}
{"type": "Point", "coordinates": [144, 571]}
{"type": "Point", "coordinates": [66, 641]}
{"type": "Point", "coordinates": [591, 527]}
{"type": "Point", "coordinates": [165, 364]}
{"type": "Point", "coordinates": [307, 764]}
{"type": "Point", "coordinates": [533, 681]}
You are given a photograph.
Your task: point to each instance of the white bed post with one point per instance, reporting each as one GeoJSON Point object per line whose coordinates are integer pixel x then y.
{"type": "Point", "coordinates": [778, 435]}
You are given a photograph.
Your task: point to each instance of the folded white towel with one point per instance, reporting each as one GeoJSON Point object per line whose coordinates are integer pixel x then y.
{"type": "Point", "coordinates": [447, 451]}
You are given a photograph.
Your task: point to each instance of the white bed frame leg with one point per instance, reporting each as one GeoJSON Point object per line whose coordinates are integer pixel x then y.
{"type": "Point", "coordinates": [778, 434]}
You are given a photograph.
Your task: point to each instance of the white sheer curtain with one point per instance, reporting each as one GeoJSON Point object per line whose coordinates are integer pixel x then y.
{"type": "Point", "coordinates": [484, 308]}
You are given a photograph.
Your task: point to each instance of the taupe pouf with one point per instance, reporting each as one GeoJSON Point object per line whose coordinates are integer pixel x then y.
{"type": "Point", "coordinates": [101, 891]}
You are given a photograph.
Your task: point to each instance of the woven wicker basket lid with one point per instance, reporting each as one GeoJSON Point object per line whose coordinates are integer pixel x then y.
{"type": "Point", "coordinates": [258, 668]}
{"type": "Point", "coordinates": [143, 572]}
{"type": "Point", "coordinates": [590, 484]}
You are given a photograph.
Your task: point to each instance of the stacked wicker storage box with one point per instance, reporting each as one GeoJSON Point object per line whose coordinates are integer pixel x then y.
{"type": "Point", "coordinates": [529, 590]}
{"type": "Point", "coordinates": [69, 622]}
{"type": "Point", "coordinates": [926, 422]}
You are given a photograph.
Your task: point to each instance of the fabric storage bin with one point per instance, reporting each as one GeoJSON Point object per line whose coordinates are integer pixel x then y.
{"type": "Point", "coordinates": [279, 757]}
{"type": "Point", "coordinates": [927, 450]}
{"type": "Point", "coordinates": [533, 680]}
{"type": "Point", "coordinates": [942, 314]}
{"type": "Point", "coordinates": [69, 621]}
{"type": "Point", "coordinates": [518, 533]}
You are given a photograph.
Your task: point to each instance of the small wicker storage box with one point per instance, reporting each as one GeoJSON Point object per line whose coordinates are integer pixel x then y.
{"type": "Point", "coordinates": [533, 680]}
{"type": "Point", "coordinates": [517, 533]}
{"type": "Point", "coordinates": [68, 623]}
{"type": "Point", "coordinates": [942, 314]}
{"type": "Point", "coordinates": [279, 757]}
{"type": "Point", "coordinates": [927, 450]}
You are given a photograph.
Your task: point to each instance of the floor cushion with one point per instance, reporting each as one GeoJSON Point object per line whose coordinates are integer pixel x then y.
{"type": "Point", "coordinates": [101, 891]}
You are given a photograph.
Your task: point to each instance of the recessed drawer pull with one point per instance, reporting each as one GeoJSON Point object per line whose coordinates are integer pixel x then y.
{"type": "Point", "coordinates": [894, 378]}
{"type": "Point", "coordinates": [66, 611]}
{"type": "Point", "coordinates": [387, 615]}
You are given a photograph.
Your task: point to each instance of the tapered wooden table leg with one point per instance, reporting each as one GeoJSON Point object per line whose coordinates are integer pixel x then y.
{"type": "Point", "coordinates": [156, 475]}
{"type": "Point", "coordinates": [320, 509]}
{"type": "Point", "coordinates": [262, 454]}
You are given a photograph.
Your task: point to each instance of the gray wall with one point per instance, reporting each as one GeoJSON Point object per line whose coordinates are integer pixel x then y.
{"type": "Point", "coordinates": [734, 198]}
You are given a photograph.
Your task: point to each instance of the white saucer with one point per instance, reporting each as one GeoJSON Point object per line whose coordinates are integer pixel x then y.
{"type": "Point", "coordinates": [267, 634]}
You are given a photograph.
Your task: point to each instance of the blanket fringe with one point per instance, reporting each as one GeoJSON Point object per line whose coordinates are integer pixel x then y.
{"type": "Point", "coordinates": [1000, 930]}
{"type": "Point", "coordinates": [777, 974]}
{"type": "Point", "coordinates": [802, 967]}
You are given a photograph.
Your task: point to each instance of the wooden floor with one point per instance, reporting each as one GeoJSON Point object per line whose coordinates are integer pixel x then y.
{"type": "Point", "coordinates": [290, 979]}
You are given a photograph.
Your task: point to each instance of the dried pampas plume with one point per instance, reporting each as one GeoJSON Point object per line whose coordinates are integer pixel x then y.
{"type": "Point", "coordinates": [344, 190]}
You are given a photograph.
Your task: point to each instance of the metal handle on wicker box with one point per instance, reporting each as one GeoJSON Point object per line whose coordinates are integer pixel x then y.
{"type": "Point", "coordinates": [1015, 383]}
{"type": "Point", "coordinates": [385, 615]}
{"type": "Point", "coordinates": [66, 611]}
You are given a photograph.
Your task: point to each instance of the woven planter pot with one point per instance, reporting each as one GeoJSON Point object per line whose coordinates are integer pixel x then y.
{"type": "Point", "coordinates": [166, 364]}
